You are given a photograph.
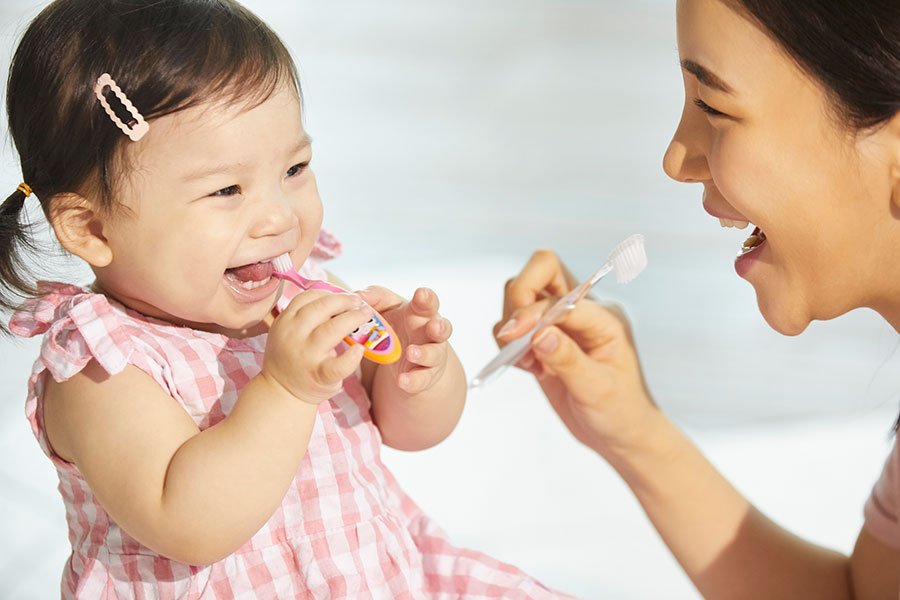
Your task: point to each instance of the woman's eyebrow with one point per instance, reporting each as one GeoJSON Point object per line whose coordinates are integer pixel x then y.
{"type": "Point", "coordinates": [705, 76]}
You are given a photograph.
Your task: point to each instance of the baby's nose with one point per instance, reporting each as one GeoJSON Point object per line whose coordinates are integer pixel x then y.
{"type": "Point", "coordinates": [274, 217]}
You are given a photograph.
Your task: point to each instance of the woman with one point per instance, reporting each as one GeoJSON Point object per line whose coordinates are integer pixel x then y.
{"type": "Point", "coordinates": [790, 124]}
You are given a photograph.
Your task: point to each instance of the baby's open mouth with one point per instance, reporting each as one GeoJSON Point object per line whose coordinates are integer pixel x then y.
{"type": "Point", "coordinates": [250, 277]}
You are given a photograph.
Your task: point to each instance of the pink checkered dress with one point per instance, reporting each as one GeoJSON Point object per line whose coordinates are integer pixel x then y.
{"type": "Point", "coordinates": [345, 529]}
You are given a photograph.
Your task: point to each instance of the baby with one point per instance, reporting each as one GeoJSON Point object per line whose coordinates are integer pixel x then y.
{"type": "Point", "coordinates": [213, 435]}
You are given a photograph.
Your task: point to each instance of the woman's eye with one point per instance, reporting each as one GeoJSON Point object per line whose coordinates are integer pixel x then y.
{"type": "Point", "coordinates": [708, 109]}
{"type": "Point", "coordinates": [231, 190]}
{"type": "Point", "coordinates": [297, 169]}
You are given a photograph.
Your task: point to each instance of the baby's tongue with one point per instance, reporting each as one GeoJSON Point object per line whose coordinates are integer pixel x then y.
{"type": "Point", "coordinates": [254, 272]}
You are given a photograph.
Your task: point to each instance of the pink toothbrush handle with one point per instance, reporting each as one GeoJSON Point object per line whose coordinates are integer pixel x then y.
{"type": "Point", "coordinates": [378, 340]}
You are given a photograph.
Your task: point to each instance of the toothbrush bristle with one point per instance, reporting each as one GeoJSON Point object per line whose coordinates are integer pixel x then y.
{"type": "Point", "coordinates": [629, 258]}
{"type": "Point", "coordinates": [283, 263]}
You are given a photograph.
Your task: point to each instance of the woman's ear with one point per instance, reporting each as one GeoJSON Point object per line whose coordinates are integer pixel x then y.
{"type": "Point", "coordinates": [892, 129]}
{"type": "Point", "coordinates": [79, 227]}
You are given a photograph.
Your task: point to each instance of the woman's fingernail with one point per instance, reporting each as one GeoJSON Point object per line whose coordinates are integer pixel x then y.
{"type": "Point", "coordinates": [546, 342]}
{"type": "Point", "coordinates": [527, 361]}
{"type": "Point", "coordinates": [403, 381]}
{"type": "Point", "coordinates": [415, 353]}
{"type": "Point", "coordinates": [507, 327]}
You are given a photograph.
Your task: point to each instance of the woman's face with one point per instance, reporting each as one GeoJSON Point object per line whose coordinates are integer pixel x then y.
{"type": "Point", "coordinates": [763, 140]}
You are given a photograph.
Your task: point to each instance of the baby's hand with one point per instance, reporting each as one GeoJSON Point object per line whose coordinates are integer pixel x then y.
{"type": "Point", "coordinates": [422, 332]}
{"type": "Point", "coordinates": [300, 352]}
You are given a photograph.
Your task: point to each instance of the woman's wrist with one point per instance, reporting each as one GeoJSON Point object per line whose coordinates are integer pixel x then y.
{"type": "Point", "coordinates": [653, 443]}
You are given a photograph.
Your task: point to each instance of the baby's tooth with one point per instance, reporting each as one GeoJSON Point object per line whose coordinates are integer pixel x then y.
{"type": "Point", "coordinates": [722, 222]}
{"type": "Point", "coordinates": [741, 224]}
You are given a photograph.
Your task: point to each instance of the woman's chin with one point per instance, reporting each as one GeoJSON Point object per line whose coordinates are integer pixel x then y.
{"type": "Point", "coordinates": [782, 316]}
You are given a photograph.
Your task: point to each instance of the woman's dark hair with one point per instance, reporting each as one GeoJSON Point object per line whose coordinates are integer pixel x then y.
{"type": "Point", "coordinates": [166, 55]}
{"type": "Point", "coordinates": [851, 48]}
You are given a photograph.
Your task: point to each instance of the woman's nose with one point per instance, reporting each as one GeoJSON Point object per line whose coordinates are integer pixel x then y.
{"type": "Point", "coordinates": [685, 159]}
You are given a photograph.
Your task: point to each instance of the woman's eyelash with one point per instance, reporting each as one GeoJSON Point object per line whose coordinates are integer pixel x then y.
{"type": "Point", "coordinates": [708, 109]}
{"type": "Point", "coordinates": [297, 169]}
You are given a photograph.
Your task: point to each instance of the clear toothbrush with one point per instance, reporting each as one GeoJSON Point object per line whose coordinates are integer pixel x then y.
{"type": "Point", "coordinates": [627, 259]}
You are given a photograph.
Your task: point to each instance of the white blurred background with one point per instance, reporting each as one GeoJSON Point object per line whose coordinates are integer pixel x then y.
{"type": "Point", "coordinates": [472, 133]}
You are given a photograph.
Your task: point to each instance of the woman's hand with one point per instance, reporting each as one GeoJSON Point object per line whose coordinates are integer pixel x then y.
{"type": "Point", "coordinates": [586, 364]}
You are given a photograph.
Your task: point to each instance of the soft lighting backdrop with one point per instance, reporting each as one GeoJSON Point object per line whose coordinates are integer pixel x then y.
{"type": "Point", "coordinates": [451, 140]}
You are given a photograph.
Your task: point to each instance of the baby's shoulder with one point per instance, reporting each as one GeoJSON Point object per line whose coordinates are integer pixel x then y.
{"type": "Point", "coordinates": [79, 325]}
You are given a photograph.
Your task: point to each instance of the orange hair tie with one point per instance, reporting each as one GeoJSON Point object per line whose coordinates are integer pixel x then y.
{"type": "Point", "coordinates": [25, 189]}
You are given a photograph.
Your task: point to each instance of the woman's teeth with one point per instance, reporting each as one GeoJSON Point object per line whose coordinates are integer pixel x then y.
{"type": "Point", "coordinates": [733, 223]}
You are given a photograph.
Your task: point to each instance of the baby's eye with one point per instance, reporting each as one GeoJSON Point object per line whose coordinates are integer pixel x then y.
{"type": "Point", "coordinates": [231, 190]}
{"type": "Point", "coordinates": [297, 169]}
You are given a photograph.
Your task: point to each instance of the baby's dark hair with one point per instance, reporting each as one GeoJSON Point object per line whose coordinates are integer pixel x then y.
{"type": "Point", "coordinates": [166, 55]}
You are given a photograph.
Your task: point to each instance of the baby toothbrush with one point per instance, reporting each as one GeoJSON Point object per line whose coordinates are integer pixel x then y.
{"type": "Point", "coordinates": [378, 340]}
{"type": "Point", "coordinates": [627, 259]}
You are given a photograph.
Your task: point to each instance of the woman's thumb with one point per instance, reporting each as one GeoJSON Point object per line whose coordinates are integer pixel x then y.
{"type": "Point", "coordinates": [561, 356]}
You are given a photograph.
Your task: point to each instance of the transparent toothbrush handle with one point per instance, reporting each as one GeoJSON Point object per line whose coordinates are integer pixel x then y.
{"type": "Point", "coordinates": [509, 355]}
{"type": "Point", "coordinates": [515, 350]}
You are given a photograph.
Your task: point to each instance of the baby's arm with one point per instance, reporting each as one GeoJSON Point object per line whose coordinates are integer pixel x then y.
{"type": "Point", "coordinates": [417, 401]}
{"type": "Point", "coordinates": [195, 496]}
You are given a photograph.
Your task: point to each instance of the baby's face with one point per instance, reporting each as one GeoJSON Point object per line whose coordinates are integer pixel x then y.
{"type": "Point", "coordinates": [216, 192]}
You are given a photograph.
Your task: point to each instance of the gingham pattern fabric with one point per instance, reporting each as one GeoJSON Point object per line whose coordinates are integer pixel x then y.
{"type": "Point", "coordinates": [345, 529]}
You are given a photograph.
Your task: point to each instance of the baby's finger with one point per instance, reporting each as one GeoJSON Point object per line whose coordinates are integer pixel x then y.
{"type": "Point", "coordinates": [338, 368]}
{"type": "Point", "coordinates": [427, 355]}
{"type": "Point", "coordinates": [439, 329]}
{"type": "Point", "coordinates": [380, 298]}
{"type": "Point", "coordinates": [417, 380]}
{"type": "Point", "coordinates": [330, 333]}
{"type": "Point", "coordinates": [321, 302]}
{"type": "Point", "coordinates": [424, 302]}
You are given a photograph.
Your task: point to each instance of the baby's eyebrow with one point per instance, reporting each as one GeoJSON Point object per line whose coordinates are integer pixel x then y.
{"type": "Point", "coordinates": [218, 169]}
{"type": "Point", "coordinates": [705, 76]}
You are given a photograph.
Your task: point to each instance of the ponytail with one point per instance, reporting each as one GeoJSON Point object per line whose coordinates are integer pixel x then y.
{"type": "Point", "coordinates": [16, 237]}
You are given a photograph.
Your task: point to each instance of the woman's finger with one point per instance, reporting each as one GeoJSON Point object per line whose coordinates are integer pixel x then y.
{"type": "Point", "coordinates": [521, 321]}
{"type": "Point", "coordinates": [543, 274]}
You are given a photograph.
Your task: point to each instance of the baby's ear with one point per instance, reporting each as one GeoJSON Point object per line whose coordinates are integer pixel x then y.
{"type": "Point", "coordinates": [79, 227]}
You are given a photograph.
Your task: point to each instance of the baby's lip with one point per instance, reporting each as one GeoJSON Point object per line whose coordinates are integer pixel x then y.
{"type": "Point", "coordinates": [258, 271]}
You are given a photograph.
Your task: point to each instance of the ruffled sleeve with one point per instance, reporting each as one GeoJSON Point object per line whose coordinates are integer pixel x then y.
{"type": "Point", "coordinates": [80, 326]}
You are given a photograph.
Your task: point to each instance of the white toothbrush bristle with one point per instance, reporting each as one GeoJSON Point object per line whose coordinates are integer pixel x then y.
{"type": "Point", "coordinates": [283, 263]}
{"type": "Point", "coordinates": [629, 258]}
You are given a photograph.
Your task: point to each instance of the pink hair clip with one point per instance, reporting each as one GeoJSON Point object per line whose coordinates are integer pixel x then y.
{"type": "Point", "coordinates": [134, 129]}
